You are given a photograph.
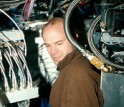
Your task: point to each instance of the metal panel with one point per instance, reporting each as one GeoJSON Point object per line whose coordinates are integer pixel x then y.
{"type": "Point", "coordinates": [112, 86]}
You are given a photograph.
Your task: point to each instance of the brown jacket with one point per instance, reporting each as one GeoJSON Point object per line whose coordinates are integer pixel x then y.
{"type": "Point", "coordinates": [78, 85]}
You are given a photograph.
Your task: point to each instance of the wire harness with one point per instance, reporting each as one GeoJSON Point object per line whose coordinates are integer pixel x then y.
{"type": "Point", "coordinates": [15, 76]}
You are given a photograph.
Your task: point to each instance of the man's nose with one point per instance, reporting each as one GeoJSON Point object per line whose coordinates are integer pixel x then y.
{"type": "Point", "coordinates": [53, 50]}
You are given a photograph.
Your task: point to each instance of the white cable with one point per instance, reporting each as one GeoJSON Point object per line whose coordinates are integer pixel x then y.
{"type": "Point", "coordinates": [18, 29]}
{"type": "Point", "coordinates": [13, 54]}
{"type": "Point", "coordinates": [8, 58]}
{"type": "Point", "coordinates": [20, 57]}
{"type": "Point", "coordinates": [25, 66]}
{"type": "Point", "coordinates": [22, 81]}
{"type": "Point", "coordinates": [6, 85]}
{"type": "Point", "coordinates": [16, 59]}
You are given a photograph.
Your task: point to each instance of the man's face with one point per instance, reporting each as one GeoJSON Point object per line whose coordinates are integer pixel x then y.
{"type": "Point", "coordinates": [56, 42]}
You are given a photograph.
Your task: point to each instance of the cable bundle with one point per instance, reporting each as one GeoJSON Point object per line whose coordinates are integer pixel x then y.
{"type": "Point", "coordinates": [27, 9]}
{"type": "Point", "coordinates": [15, 72]}
{"type": "Point", "coordinates": [15, 77]}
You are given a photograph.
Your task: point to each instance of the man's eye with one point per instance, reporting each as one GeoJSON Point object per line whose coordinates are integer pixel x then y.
{"type": "Point", "coordinates": [47, 45]}
{"type": "Point", "coordinates": [59, 43]}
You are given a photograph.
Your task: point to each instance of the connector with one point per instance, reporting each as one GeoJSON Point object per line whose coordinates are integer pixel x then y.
{"type": "Point", "coordinates": [19, 95]}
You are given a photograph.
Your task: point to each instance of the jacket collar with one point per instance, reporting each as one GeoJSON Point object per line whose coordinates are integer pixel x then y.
{"type": "Point", "coordinates": [68, 58]}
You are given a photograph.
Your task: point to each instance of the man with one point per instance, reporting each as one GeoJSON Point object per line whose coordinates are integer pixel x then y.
{"type": "Point", "coordinates": [78, 84]}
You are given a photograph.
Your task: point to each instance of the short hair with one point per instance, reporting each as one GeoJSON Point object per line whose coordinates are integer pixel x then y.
{"type": "Point", "coordinates": [53, 21]}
